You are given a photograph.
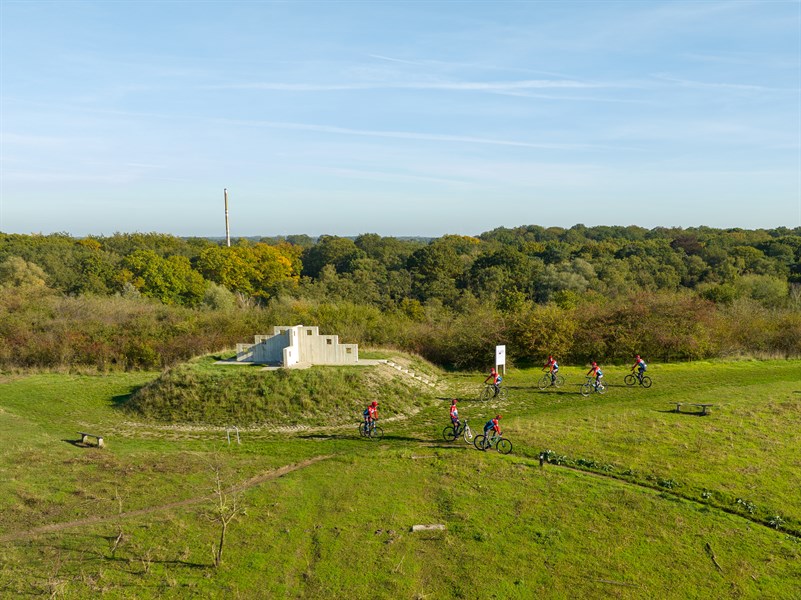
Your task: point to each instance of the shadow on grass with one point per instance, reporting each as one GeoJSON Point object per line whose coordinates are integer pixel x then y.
{"type": "Point", "coordinates": [560, 391]}
{"type": "Point", "coordinates": [687, 413]}
{"type": "Point", "coordinates": [355, 436]}
{"type": "Point", "coordinates": [120, 400]}
{"type": "Point", "coordinates": [100, 556]}
{"type": "Point", "coordinates": [449, 445]}
{"type": "Point", "coordinates": [80, 444]}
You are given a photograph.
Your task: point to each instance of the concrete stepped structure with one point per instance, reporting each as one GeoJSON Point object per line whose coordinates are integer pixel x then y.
{"type": "Point", "coordinates": [410, 373]}
{"type": "Point", "coordinates": [297, 346]}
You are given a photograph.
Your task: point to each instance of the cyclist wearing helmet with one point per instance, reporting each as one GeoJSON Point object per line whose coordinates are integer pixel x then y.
{"type": "Point", "coordinates": [496, 381]}
{"type": "Point", "coordinates": [640, 365]}
{"type": "Point", "coordinates": [370, 415]}
{"type": "Point", "coordinates": [552, 366]}
{"type": "Point", "coordinates": [494, 425]}
{"type": "Point", "coordinates": [596, 371]}
{"type": "Point", "coordinates": [454, 414]}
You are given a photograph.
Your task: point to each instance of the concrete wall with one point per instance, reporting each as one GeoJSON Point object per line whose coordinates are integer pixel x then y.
{"type": "Point", "coordinates": [291, 345]}
{"type": "Point", "coordinates": [324, 349]}
{"type": "Point", "coordinates": [268, 349]}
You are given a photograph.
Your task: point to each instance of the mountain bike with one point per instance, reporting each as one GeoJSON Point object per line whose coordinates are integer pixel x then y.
{"type": "Point", "coordinates": [590, 385]}
{"type": "Point", "coordinates": [501, 444]}
{"type": "Point", "coordinates": [450, 433]}
{"type": "Point", "coordinates": [546, 381]}
{"type": "Point", "coordinates": [631, 379]}
{"type": "Point", "coordinates": [487, 392]}
{"type": "Point", "coordinates": [371, 430]}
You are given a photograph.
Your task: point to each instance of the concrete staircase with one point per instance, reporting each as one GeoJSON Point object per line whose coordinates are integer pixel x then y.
{"type": "Point", "coordinates": [425, 380]}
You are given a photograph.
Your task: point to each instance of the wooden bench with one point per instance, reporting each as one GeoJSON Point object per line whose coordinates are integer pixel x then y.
{"type": "Point", "coordinates": [704, 407]}
{"type": "Point", "coordinates": [85, 438]}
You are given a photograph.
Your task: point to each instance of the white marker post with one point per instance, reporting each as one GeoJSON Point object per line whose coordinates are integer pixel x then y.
{"type": "Point", "coordinates": [500, 358]}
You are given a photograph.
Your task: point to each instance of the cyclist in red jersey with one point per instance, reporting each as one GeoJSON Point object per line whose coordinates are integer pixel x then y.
{"type": "Point", "coordinates": [494, 425]}
{"type": "Point", "coordinates": [496, 381]}
{"type": "Point", "coordinates": [595, 371]}
{"type": "Point", "coordinates": [370, 415]}
{"type": "Point", "coordinates": [640, 365]}
{"type": "Point", "coordinates": [552, 366]}
{"type": "Point", "coordinates": [454, 414]}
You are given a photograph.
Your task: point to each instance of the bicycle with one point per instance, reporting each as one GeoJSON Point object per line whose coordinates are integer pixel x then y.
{"type": "Point", "coordinates": [547, 381]}
{"type": "Point", "coordinates": [487, 392]}
{"type": "Point", "coordinates": [372, 431]}
{"type": "Point", "coordinates": [631, 379]}
{"type": "Point", "coordinates": [590, 385]}
{"type": "Point", "coordinates": [501, 444]}
{"type": "Point", "coordinates": [450, 433]}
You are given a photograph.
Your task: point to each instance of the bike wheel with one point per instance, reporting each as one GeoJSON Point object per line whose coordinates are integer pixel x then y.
{"type": "Point", "coordinates": [585, 389]}
{"type": "Point", "coordinates": [646, 381]}
{"type": "Point", "coordinates": [479, 442]}
{"type": "Point", "coordinates": [449, 434]}
{"type": "Point", "coordinates": [502, 394]}
{"type": "Point", "coordinates": [486, 393]}
{"type": "Point", "coordinates": [629, 379]}
{"type": "Point", "coordinates": [376, 433]}
{"type": "Point", "coordinates": [468, 434]}
{"type": "Point", "coordinates": [362, 431]}
{"type": "Point", "coordinates": [503, 446]}
{"type": "Point", "coordinates": [559, 381]}
{"type": "Point", "coordinates": [601, 389]}
{"type": "Point", "coordinates": [544, 382]}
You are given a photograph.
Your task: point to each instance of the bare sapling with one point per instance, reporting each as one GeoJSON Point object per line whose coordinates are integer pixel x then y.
{"type": "Point", "coordinates": [226, 506]}
{"type": "Point", "coordinates": [119, 537]}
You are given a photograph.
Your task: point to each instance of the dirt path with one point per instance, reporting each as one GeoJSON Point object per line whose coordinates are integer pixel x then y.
{"type": "Point", "coordinates": [250, 483]}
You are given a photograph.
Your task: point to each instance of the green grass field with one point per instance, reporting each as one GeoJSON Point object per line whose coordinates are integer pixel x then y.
{"type": "Point", "coordinates": [637, 501]}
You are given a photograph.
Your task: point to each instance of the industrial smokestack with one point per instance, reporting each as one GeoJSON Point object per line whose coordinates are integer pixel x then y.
{"type": "Point", "coordinates": [227, 231]}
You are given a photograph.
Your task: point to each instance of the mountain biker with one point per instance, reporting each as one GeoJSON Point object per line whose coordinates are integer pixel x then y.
{"type": "Point", "coordinates": [640, 365]}
{"type": "Point", "coordinates": [552, 366]}
{"type": "Point", "coordinates": [493, 425]}
{"type": "Point", "coordinates": [596, 371]}
{"type": "Point", "coordinates": [454, 415]}
{"type": "Point", "coordinates": [496, 380]}
{"type": "Point", "coordinates": [370, 415]}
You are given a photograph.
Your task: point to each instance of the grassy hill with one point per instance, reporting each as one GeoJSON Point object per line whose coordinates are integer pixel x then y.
{"type": "Point", "coordinates": [638, 502]}
{"type": "Point", "coordinates": [203, 391]}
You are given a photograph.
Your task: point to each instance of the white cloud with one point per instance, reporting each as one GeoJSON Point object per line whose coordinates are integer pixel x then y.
{"type": "Point", "coordinates": [469, 86]}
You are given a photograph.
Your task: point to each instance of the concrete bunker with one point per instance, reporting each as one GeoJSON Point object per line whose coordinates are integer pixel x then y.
{"type": "Point", "coordinates": [294, 345]}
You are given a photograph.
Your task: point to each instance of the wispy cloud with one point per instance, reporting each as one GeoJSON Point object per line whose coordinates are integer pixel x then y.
{"type": "Point", "coordinates": [346, 131]}
{"type": "Point", "coordinates": [398, 60]}
{"type": "Point", "coordinates": [791, 61]}
{"type": "Point", "coordinates": [33, 141]}
{"type": "Point", "coordinates": [411, 135]}
{"type": "Point", "coordinates": [462, 86]}
{"type": "Point", "coordinates": [442, 65]}
{"type": "Point", "coordinates": [744, 87]}
{"type": "Point", "coordinates": [378, 175]}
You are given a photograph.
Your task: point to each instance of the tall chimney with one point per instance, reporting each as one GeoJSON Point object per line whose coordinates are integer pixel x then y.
{"type": "Point", "coordinates": [227, 231]}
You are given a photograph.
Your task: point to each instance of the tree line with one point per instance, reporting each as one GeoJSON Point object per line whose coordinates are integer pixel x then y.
{"type": "Point", "coordinates": [145, 300]}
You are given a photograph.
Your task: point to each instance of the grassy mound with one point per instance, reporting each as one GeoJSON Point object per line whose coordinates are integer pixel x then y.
{"type": "Point", "coordinates": [203, 392]}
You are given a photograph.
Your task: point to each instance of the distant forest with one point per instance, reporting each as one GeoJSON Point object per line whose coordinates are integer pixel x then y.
{"type": "Point", "coordinates": [150, 300]}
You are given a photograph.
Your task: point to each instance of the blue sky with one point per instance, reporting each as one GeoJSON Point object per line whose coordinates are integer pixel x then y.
{"type": "Point", "coordinates": [398, 118]}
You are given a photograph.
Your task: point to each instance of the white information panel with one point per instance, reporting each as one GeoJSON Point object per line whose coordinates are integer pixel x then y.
{"type": "Point", "coordinates": [500, 357]}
